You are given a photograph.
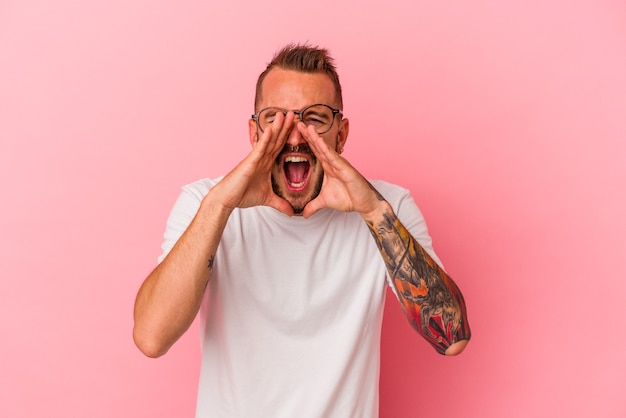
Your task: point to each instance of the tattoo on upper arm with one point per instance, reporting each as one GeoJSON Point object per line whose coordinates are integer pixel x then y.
{"type": "Point", "coordinates": [430, 299]}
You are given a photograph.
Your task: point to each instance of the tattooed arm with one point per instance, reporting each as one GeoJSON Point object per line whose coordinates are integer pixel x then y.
{"type": "Point", "coordinates": [431, 301]}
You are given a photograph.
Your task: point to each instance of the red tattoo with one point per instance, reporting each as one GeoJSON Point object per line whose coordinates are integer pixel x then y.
{"type": "Point", "coordinates": [431, 301]}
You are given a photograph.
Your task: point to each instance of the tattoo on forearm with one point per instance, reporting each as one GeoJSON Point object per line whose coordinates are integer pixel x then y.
{"type": "Point", "coordinates": [378, 195]}
{"type": "Point", "coordinates": [430, 299]}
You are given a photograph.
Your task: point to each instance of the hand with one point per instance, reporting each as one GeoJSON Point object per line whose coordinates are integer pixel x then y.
{"type": "Point", "coordinates": [249, 183]}
{"type": "Point", "coordinates": [344, 188]}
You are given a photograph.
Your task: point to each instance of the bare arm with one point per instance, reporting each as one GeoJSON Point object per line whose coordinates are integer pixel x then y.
{"type": "Point", "coordinates": [431, 301]}
{"type": "Point", "coordinates": [170, 297]}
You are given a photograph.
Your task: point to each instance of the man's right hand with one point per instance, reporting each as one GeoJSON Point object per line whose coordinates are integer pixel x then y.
{"type": "Point", "coordinates": [171, 295]}
{"type": "Point", "coordinates": [249, 183]}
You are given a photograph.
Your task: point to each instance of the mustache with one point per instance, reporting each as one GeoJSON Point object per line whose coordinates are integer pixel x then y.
{"type": "Point", "coordinates": [303, 149]}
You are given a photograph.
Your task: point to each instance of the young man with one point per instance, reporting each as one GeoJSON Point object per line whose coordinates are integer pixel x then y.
{"type": "Point", "coordinates": [286, 258]}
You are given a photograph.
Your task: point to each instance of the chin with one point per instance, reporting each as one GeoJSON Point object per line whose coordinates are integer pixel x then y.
{"type": "Point", "coordinates": [299, 200]}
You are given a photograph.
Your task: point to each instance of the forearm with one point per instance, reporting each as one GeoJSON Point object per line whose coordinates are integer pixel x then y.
{"type": "Point", "coordinates": [431, 300]}
{"type": "Point", "coordinates": [171, 295]}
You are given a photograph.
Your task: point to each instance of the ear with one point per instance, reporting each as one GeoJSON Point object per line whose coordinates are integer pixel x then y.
{"type": "Point", "coordinates": [252, 128]}
{"type": "Point", "coordinates": [342, 135]}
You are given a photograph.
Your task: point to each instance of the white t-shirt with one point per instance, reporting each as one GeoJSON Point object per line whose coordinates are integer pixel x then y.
{"type": "Point", "coordinates": [292, 316]}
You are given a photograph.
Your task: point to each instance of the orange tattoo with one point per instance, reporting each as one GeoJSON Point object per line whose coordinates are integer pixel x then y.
{"type": "Point", "coordinates": [431, 301]}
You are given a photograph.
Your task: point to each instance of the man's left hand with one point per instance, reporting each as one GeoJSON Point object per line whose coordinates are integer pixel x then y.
{"type": "Point", "coordinates": [344, 188]}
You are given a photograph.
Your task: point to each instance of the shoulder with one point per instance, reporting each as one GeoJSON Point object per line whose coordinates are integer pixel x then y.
{"type": "Point", "coordinates": [189, 199]}
{"type": "Point", "coordinates": [200, 188]}
{"type": "Point", "coordinates": [183, 211]}
{"type": "Point", "coordinates": [408, 212]}
{"type": "Point", "coordinates": [382, 185]}
{"type": "Point", "coordinates": [392, 193]}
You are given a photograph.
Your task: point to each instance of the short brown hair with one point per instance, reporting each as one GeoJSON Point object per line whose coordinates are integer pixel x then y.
{"type": "Point", "coordinates": [306, 59]}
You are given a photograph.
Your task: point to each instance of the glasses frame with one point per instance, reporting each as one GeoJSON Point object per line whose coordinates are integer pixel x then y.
{"type": "Point", "coordinates": [299, 113]}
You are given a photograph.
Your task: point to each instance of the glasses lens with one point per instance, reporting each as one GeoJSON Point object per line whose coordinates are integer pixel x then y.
{"type": "Point", "coordinates": [267, 116]}
{"type": "Point", "coordinates": [319, 116]}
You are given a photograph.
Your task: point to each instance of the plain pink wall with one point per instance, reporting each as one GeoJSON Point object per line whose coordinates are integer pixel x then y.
{"type": "Point", "coordinates": [505, 119]}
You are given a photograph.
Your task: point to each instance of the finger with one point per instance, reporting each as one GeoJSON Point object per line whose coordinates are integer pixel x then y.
{"type": "Point", "coordinates": [319, 147]}
{"type": "Point", "coordinates": [262, 143]}
{"type": "Point", "coordinates": [280, 205]}
{"type": "Point", "coordinates": [312, 207]}
{"type": "Point", "coordinates": [331, 161]}
{"type": "Point", "coordinates": [283, 130]}
{"type": "Point", "coordinates": [277, 126]}
{"type": "Point", "coordinates": [314, 141]}
{"type": "Point", "coordinates": [273, 138]}
{"type": "Point", "coordinates": [310, 136]}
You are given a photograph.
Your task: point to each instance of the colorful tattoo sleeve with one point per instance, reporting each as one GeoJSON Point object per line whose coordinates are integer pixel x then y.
{"type": "Point", "coordinates": [431, 301]}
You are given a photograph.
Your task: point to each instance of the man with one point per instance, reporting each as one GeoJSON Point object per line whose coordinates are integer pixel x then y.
{"type": "Point", "coordinates": [286, 258]}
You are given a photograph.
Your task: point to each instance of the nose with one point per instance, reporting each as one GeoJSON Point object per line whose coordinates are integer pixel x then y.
{"type": "Point", "coordinates": [294, 137]}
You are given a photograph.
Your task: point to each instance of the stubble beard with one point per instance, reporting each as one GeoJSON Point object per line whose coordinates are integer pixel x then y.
{"type": "Point", "coordinates": [299, 203]}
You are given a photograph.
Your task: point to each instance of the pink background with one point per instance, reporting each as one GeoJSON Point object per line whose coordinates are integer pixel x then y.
{"type": "Point", "coordinates": [505, 118]}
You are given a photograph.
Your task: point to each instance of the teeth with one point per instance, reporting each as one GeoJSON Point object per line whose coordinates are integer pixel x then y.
{"type": "Point", "coordinates": [297, 184]}
{"type": "Point", "coordinates": [295, 159]}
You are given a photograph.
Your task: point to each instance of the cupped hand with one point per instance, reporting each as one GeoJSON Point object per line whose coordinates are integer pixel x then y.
{"type": "Point", "coordinates": [343, 188]}
{"type": "Point", "coordinates": [249, 183]}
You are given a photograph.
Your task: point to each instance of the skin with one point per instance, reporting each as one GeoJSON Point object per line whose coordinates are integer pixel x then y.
{"type": "Point", "coordinates": [431, 301]}
{"type": "Point", "coordinates": [170, 297]}
{"type": "Point", "coordinates": [295, 90]}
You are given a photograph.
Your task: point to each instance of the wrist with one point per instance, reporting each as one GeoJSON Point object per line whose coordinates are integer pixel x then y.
{"type": "Point", "coordinates": [381, 209]}
{"type": "Point", "coordinates": [212, 209]}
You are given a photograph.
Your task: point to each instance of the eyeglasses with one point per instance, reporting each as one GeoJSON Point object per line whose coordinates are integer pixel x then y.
{"type": "Point", "coordinates": [320, 116]}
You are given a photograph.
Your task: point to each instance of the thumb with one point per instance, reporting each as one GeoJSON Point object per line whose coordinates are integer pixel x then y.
{"type": "Point", "coordinates": [280, 205]}
{"type": "Point", "coordinates": [312, 207]}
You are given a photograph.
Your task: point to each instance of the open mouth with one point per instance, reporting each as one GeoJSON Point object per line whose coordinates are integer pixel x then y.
{"type": "Point", "coordinates": [297, 172]}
